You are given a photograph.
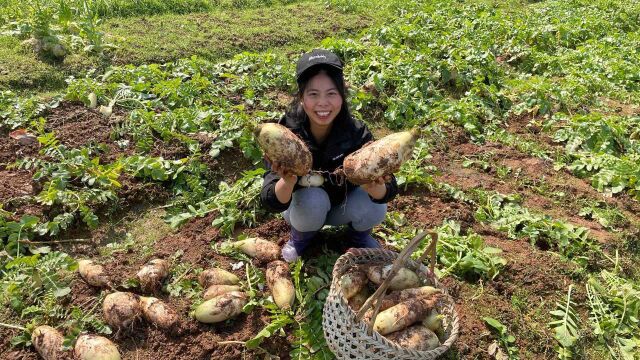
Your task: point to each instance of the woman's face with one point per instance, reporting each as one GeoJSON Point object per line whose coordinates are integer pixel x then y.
{"type": "Point", "coordinates": [321, 100]}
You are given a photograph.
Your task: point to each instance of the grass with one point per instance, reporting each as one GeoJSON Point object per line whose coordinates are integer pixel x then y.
{"type": "Point", "coordinates": [215, 35]}
{"type": "Point", "coordinates": [139, 235]}
{"type": "Point", "coordinates": [125, 8]}
{"type": "Point", "coordinates": [222, 34]}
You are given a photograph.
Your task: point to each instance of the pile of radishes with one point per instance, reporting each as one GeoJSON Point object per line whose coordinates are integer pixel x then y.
{"type": "Point", "coordinates": [408, 315]}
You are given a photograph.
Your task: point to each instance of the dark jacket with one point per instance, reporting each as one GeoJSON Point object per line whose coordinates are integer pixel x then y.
{"type": "Point", "coordinates": [345, 137]}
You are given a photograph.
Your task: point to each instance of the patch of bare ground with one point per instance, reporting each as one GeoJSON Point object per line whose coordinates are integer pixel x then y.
{"type": "Point", "coordinates": [524, 171]}
{"type": "Point", "coordinates": [76, 126]}
{"type": "Point", "coordinates": [529, 128]}
{"type": "Point", "coordinates": [425, 209]}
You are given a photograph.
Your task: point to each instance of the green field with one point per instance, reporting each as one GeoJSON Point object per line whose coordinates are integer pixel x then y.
{"type": "Point", "coordinates": [528, 168]}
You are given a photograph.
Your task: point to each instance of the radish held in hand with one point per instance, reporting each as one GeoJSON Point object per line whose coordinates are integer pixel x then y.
{"type": "Point", "coordinates": [280, 284]}
{"type": "Point", "coordinates": [121, 309]}
{"type": "Point", "coordinates": [93, 347]}
{"type": "Point", "coordinates": [221, 308]}
{"type": "Point", "coordinates": [282, 146]}
{"type": "Point", "coordinates": [48, 342]}
{"type": "Point", "coordinates": [311, 180]}
{"type": "Point", "coordinates": [217, 276]}
{"type": "Point", "coordinates": [261, 249]}
{"type": "Point", "coordinates": [380, 158]}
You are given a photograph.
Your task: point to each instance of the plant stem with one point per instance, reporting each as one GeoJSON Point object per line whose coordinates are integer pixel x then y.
{"type": "Point", "coordinates": [55, 241]}
{"type": "Point", "coordinates": [10, 326]}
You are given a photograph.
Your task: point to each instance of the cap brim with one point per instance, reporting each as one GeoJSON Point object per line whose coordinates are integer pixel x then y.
{"type": "Point", "coordinates": [298, 75]}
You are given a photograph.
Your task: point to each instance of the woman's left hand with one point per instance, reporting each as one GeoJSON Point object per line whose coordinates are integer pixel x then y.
{"type": "Point", "coordinates": [377, 188]}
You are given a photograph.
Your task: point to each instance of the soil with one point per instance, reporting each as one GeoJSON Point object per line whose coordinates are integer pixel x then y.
{"type": "Point", "coordinates": [520, 296]}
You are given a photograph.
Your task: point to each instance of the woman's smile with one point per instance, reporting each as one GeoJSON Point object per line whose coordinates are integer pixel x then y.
{"type": "Point", "coordinates": [321, 101]}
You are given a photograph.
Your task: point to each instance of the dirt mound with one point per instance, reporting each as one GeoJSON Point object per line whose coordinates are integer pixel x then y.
{"type": "Point", "coordinates": [11, 150]}
{"type": "Point", "coordinates": [15, 184]}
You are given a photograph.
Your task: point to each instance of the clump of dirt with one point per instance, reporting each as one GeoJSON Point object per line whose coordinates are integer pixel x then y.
{"type": "Point", "coordinates": [172, 149]}
{"type": "Point", "coordinates": [134, 193]}
{"type": "Point", "coordinates": [229, 165]}
{"type": "Point", "coordinates": [427, 210]}
{"type": "Point", "coordinates": [76, 126]}
{"type": "Point", "coordinates": [11, 150]}
{"type": "Point", "coordinates": [15, 184]}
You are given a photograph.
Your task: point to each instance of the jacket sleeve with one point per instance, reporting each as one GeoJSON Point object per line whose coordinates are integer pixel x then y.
{"type": "Point", "coordinates": [392, 186]}
{"type": "Point", "coordinates": [268, 192]}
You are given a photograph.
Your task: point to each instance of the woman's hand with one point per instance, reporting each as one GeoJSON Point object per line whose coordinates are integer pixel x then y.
{"type": "Point", "coordinates": [282, 171]}
{"type": "Point", "coordinates": [284, 186]}
{"type": "Point", "coordinates": [377, 188]}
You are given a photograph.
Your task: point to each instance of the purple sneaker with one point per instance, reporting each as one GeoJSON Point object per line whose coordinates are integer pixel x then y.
{"type": "Point", "coordinates": [298, 241]}
{"type": "Point", "coordinates": [362, 239]}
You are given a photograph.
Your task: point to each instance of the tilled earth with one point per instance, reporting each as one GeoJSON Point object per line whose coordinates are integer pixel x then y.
{"type": "Point", "coordinates": [521, 296]}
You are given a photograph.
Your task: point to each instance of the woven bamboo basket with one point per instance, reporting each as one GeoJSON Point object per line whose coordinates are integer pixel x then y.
{"type": "Point", "coordinates": [350, 338]}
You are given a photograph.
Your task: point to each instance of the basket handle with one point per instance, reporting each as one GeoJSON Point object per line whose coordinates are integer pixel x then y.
{"type": "Point", "coordinates": [397, 264]}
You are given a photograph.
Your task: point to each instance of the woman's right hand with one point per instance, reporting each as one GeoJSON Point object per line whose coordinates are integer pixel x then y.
{"type": "Point", "coordinates": [279, 169]}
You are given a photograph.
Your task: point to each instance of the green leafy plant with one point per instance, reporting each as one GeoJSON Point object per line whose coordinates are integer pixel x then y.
{"type": "Point", "coordinates": [506, 341]}
{"type": "Point", "coordinates": [464, 256]}
{"type": "Point", "coordinates": [566, 325]}
{"type": "Point", "coordinates": [505, 213]}
{"type": "Point", "coordinates": [614, 304]}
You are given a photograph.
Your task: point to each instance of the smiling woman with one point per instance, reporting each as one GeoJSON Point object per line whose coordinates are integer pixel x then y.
{"type": "Point", "coordinates": [320, 117]}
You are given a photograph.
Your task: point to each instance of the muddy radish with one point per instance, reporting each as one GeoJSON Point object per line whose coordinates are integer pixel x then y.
{"type": "Point", "coordinates": [48, 342]}
{"type": "Point", "coordinates": [352, 282]}
{"type": "Point", "coordinates": [260, 249]}
{"type": "Point", "coordinates": [158, 312]}
{"type": "Point", "coordinates": [404, 278]}
{"type": "Point", "coordinates": [221, 308]}
{"type": "Point", "coordinates": [93, 347]}
{"type": "Point", "coordinates": [380, 158]}
{"type": "Point", "coordinates": [403, 315]}
{"type": "Point", "coordinates": [152, 274]}
{"type": "Point", "coordinates": [92, 273]}
{"type": "Point", "coordinates": [280, 284]}
{"type": "Point", "coordinates": [217, 290]}
{"type": "Point", "coordinates": [215, 276]}
{"type": "Point", "coordinates": [416, 337]}
{"type": "Point", "coordinates": [121, 309]}
{"type": "Point", "coordinates": [281, 145]}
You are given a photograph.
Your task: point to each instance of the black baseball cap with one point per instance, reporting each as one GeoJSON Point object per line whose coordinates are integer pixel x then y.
{"type": "Point", "coordinates": [317, 57]}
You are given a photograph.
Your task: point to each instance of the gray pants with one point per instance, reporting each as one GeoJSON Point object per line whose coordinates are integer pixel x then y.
{"type": "Point", "coordinates": [310, 210]}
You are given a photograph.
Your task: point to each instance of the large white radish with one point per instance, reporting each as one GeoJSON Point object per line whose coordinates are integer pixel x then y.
{"type": "Point", "coordinates": [48, 342]}
{"type": "Point", "coordinates": [380, 158]}
{"type": "Point", "coordinates": [280, 284]}
{"type": "Point", "coordinates": [93, 347]}
{"type": "Point", "coordinates": [216, 276]}
{"type": "Point", "coordinates": [221, 308]}
{"type": "Point", "coordinates": [404, 278]}
{"type": "Point", "coordinates": [281, 145]}
{"type": "Point", "coordinates": [405, 314]}
{"type": "Point", "coordinates": [261, 249]}
{"type": "Point", "coordinates": [121, 309]}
